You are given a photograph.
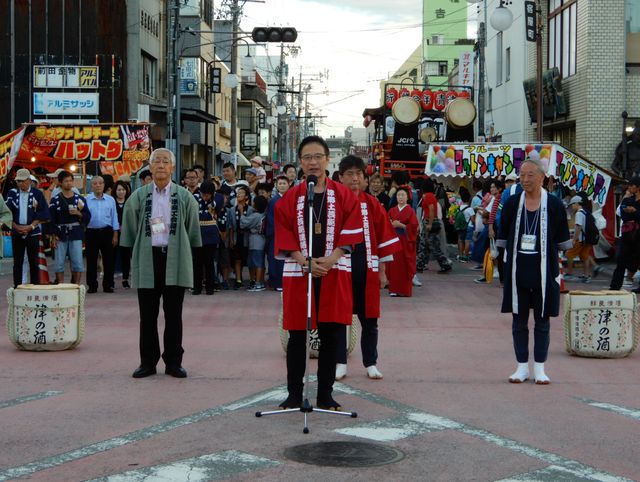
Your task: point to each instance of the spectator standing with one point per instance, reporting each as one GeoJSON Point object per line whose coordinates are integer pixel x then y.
{"type": "Point", "coordinates": [191, 182]}
{"type": "Point", "coordinates": [229, 182]}
{"type": "Point", "coordinates": [257, 163]}
{"type": "Point", "coordinates": [101, 235]}
{"type": "Point", "coordinates": [161, 225]}
{"type": "Point", "coordinates": [251, 176]}
{"type": "Point", "coordinates": [275, 265]}
{"type": "Point", "coordinates": [204, 257]}
{"type": "Point", "coordinates": [123, 254]}
{"type": "Point", "coordinates": [28, 209]}
{"type": "Point", "coordinates": [69, 216]}
{"type": "Point", "coordinates": [401, 270]}
{"type": "Point", "coordinates": [254, 226]}
{"type": "Point", "coordinates": [580, 248]}
{"type": "Point", "coordinates": [376, 188]}
{"type": "Point", "coordinates": [290, 171]}
{"type": "Point", "coordinates": [629, 247]}
{"type": "Point", "coordinates": [145, 176]}
{"type": "Point", "coordinates": [238, 239]}
{"type": "Point", "coordinates": [431, 226]}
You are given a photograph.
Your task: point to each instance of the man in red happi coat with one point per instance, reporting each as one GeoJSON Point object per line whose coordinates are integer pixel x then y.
{"type": "Point", "coordinates": [367, 267]}
{"type": "Point", "coordinates": [337, 227]}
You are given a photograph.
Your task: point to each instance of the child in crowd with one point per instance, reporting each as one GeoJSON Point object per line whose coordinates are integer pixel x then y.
{"type": "Point", "coordinates": [253, 223]}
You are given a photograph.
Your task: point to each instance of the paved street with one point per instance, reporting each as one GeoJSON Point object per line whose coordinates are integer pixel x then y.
{"type": "Point", "coordinates": [444, 402]}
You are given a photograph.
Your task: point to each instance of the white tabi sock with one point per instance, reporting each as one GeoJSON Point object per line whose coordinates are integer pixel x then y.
{"type": "Point", "coordinates": [341, 371]}
{"type": "Point", "coordinates": [521, 374]}
{"type": "Point", "coordinates": [539, 375]}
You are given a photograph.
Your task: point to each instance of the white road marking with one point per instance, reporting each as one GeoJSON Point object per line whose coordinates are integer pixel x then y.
{"type": "Point", "coordinates": [29, 398]}
{"type": "Point", "coordinates": [105, 445]}
{"type": "Point", "coordinates": [416, 422]}
{"type": "Point", "coordinates": [197, 469]}
{"type": "Point", "coordinates": [624, 411]}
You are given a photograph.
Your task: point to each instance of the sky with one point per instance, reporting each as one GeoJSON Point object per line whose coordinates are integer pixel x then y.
{"type": "Point", "coordinates": [356, 42]}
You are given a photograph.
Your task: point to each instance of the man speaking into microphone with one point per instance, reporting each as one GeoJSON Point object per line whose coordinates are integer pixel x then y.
{"type": "Point", "coordinates": [336, 228]}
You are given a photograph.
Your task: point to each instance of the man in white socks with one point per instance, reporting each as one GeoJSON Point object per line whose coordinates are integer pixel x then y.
{"type": "Point", "coordinates": [533, 229]}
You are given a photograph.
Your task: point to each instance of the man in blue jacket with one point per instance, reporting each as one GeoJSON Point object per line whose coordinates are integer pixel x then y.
{"type": "Point", "coordinates": [29, 209]}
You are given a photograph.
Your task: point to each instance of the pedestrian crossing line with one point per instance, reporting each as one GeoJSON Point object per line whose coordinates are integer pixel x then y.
{"type": "Point", "coordinates": [624, 411]}
{"type": "Point", "coordinates": [417, 422]}
{"type": "Point", "coordinates": [29, 398]}
{"type": "Point", "coordinates": [552, 472]}
{"type": "Point", "coordinates": [269, 395]}
{"type": "Point", "coordinates": [197, 469]}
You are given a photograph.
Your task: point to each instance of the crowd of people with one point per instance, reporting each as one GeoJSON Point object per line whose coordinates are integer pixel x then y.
{"type": "Point", "coordinates": [209, 236]}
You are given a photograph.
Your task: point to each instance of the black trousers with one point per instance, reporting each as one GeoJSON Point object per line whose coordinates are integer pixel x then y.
{"type": "Point", "coordinates": [296, 353]}
{"type": "Point", "coordinates": [368, 341]}
{"type": "Point", "coordinates": [149, 304]}
{"type": "Point", "coordinates": [124, 254]}
{"type": "Point", "coordinates": [204, 267]}
{"type": "Point", "coordinates": [30, 244]}
{"type": "Point", "coordinates": [327, 355]}
{"type": "Point", "coordinates": [627, 259]}
{"type": "Point", "coordinates": [530, 298]}
{"type": "Point", "coordinates": [100, 241]}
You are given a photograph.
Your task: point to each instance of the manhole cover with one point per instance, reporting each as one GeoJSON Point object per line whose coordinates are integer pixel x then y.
{"type": "Point", "coordinates": [344, 454]}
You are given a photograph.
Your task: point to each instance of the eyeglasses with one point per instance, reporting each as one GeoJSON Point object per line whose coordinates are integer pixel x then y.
{"type": "Point", "coordinates": [313, 157]}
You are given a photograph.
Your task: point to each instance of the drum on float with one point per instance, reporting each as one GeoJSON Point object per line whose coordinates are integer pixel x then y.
{"type": "Point", "coordinates": [601, 324]}
{"type": "Point", "coordinates": [460, 113]}
{"type": "Point", "coordinates": [406, 110]}
{"type": "Point", "coordinates": [46, 317]}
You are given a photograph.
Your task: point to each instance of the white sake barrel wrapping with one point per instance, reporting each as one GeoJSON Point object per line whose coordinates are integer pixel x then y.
{"type": "Point", "coordinates": [601, 324]}
{"type": "Point", "coordinates": [46, 317]}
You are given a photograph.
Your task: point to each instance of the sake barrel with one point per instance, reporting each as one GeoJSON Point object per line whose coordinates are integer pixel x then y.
{"type": "Point", "coordinates": [601, 324]}
{"type": "Point", "coordinates": [46, 317]}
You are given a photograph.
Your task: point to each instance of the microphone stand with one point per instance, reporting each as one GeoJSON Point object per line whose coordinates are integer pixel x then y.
{"type": "Point", "coordinates": [306, 407]}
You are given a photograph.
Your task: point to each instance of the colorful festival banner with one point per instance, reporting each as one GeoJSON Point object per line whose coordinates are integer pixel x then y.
{"type": "Point", "coordinates": [8, 150]}
{"type": "Point", "coordinates": [120, 148]}
{"type": "Point", "coordinates": [492, 160]}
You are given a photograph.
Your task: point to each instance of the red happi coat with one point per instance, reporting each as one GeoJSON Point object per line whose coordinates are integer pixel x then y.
{"type": "Point", "coordinates": [401, 270]}
{"type": "Point", "coordinates": [381, 241]}
{"type": "Point", "coordinates": [344, 228]}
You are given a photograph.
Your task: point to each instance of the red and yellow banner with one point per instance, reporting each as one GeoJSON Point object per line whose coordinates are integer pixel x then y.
{"type": "Point", "coordinates": [120, 148]}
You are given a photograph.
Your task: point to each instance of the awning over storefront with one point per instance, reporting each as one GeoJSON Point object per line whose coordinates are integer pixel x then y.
{"type": "Point", "coordinates": [227, 157]}
{"type": "Point", "coordinates": [189, 114]}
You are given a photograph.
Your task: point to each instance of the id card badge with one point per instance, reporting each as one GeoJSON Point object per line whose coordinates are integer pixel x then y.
{"type": "Point", "coordinates": [158, 226]}
{"type": "Point", "coordinates": [528, 242]}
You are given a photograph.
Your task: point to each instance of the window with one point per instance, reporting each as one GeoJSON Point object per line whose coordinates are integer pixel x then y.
{"type": "Point", "coordinates": [437, 39]}
{"type": "Point", "coordinates": [436, 68]}
{"type": "Point", "coordinates": [207, 12]}
{"type": "Point", "coordinates": [149, 75]}
{"type": "Point", "coordinates": [562, 28]}
{"type": "Point", "coordinates": [632, 22]}
{"type": "Point", "coordinates": [499, 58]}
{"type": "Point", "coordinates": [489, 101]}
{"type": "Point", "coordinates": [507, 63]}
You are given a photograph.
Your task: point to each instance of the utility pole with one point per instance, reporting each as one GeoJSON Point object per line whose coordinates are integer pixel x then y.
{"type": "Point", "coordinates": [178, 94]}
{"type": "Point", "coordinates": [481, 66]}
{"type": "Point", "coordinates": [12, 20]}
{"type": "Point", "coordinates": [171, 136]}
{"type": "Point", "coordinates": [280, 102]}
{"type": "Point", "coordinates": [539, 111]}
{"type": "Point", "coordinates": [235, 15]}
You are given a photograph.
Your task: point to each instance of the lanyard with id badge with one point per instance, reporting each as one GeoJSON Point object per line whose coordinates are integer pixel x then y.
{"type": "Point", "coordinates": [158, 225]}
{"type": "Point", "coordinates": [529, 236]}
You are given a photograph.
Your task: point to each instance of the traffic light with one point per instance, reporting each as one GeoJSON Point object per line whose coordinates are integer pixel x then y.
{"type": "Point", "coordinates": [274, 34]}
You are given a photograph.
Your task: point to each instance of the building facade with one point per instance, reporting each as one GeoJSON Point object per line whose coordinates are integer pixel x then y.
{"type": "Point", "coordinates": [594, 46]}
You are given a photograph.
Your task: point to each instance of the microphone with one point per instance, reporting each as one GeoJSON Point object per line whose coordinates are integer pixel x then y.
{"type": "Point", "coordinates": [311, 184]}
